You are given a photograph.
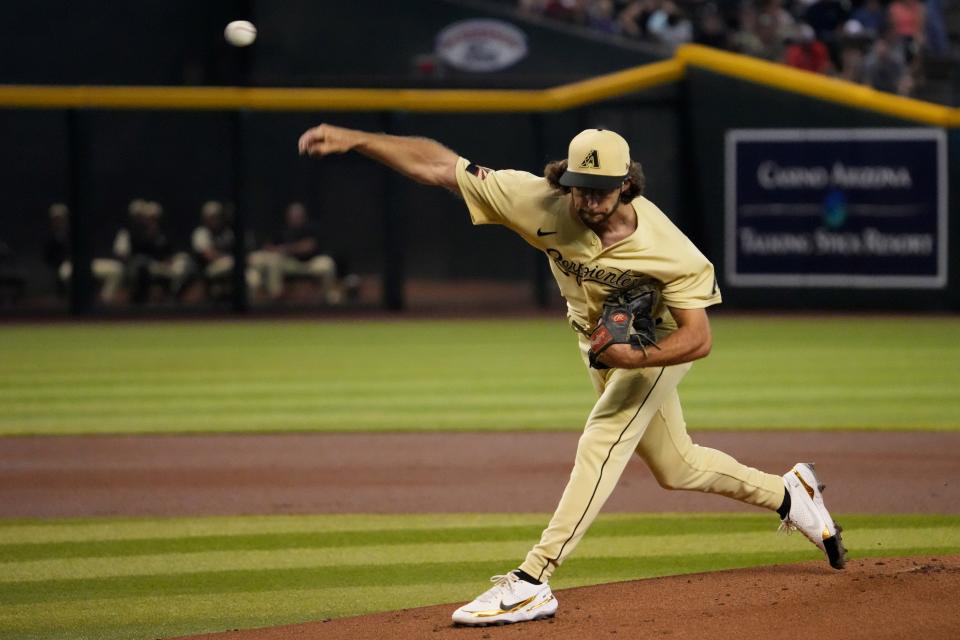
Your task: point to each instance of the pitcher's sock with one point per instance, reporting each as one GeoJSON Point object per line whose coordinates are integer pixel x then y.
{"type": "Point", "coordinates": [784, 509]}
{"type": "Point", "coordinates": [526, 577]}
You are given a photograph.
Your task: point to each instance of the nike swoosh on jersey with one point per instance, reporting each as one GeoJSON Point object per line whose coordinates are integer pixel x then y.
{"type": "Point", "coordinates": [541, 232]}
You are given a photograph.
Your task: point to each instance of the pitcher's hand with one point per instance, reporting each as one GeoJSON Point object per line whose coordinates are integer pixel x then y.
{"type": "Point", "coordinates": [326, 139]}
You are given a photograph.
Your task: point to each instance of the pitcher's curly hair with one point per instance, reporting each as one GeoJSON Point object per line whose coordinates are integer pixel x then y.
{"type": "Point", "coordinates": [635, 188]}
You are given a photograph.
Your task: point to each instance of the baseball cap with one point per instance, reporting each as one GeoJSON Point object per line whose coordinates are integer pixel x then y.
{"type": "Point", "coordinates": [596, 159]}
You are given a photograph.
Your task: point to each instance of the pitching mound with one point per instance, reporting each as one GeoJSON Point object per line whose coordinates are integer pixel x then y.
{"type": "Point", "coordinates": [872, 599]}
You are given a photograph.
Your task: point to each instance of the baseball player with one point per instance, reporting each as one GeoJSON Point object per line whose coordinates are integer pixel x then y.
{"type": "Point", "coordinates": [637, 291]}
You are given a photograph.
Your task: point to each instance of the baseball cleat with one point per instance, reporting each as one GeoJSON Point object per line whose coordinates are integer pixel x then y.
{"type": "Point", "coordinates": [809, 515]}
{"type": "Point", "coordinates": [509, 600]}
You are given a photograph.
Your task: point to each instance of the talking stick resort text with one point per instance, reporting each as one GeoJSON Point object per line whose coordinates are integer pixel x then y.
{"type": "Point", "coordinates": [826, 239]}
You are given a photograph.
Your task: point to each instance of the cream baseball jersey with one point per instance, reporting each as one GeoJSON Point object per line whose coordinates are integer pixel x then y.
{"type": "Point", "coordinates": [587, 272]}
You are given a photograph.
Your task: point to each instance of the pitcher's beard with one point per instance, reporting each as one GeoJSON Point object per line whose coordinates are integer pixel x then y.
{"type": "Point", "coordinates": [595, 218]}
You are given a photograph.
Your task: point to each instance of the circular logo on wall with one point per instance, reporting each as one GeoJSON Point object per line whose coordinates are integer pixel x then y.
{"type": "Point", "coordinates": [481, 45]}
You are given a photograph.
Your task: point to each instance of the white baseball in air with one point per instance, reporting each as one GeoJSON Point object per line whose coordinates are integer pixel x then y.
{"type": "Point", "coordinates": [240, 33]}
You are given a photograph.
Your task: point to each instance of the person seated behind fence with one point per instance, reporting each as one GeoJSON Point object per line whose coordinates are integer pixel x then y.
{"type": "Point", "coordinates": [147, 254]}
{"type": "Point", "coordinates": [56, 254]}
{"type": "Point", "coordinates": [212, 243]}
{"type": "Point", "coordinates": [296, 253]}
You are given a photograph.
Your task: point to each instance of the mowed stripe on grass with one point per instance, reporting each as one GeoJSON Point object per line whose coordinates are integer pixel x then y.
{"type": "Point", "coordinates": [59, 579]}
{"type": "Point", "coordinates": [817, 372]}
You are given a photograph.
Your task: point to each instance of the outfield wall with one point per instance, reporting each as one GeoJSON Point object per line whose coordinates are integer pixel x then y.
{"type": "Point", "coordinates": [99, 148]}
{"type": "Point", "coordinates": [718, 104]}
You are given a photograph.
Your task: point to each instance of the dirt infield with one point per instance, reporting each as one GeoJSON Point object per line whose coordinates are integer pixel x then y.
{"type": "Point", "coordinates": [423, 472]}
{"type": "Point", "coordinates": [870, 600]}
{"type": "Point", "coordinates": [390, 473]}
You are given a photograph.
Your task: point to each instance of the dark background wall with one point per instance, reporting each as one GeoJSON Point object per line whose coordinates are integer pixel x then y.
{"type": "Point", "coordinates": [184, 158]}
{"type": "Point", "coordinates": [110, 42]}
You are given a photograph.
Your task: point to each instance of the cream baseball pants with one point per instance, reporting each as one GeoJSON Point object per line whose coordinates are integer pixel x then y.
{"type": "Point", "coordinates": [639, 412]}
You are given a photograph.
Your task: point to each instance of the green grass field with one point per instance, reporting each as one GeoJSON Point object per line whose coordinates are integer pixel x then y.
{"type": "Point", "coordinates": [805, 373]}
{"type": "Point", "coordinates": [114, 578]}
{"type": "Point", "coordinates": [135, 579]}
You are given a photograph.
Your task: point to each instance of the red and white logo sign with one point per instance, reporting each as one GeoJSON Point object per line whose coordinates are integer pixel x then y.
{"type": "Point", "coordinates": [481, 45]}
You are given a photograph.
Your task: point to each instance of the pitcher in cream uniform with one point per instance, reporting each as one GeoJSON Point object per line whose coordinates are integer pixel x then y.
{"type": "Point", "coordinates": [601, 236]}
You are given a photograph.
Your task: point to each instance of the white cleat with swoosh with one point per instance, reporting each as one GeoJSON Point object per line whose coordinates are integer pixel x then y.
{"type": "Point", "coordinates": [509, 600]}
{"type": "Point", "coordinates": [809, 515]}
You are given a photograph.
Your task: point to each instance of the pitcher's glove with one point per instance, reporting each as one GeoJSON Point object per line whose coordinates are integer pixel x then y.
{"type": "Point", "coordinates": [627, 319]}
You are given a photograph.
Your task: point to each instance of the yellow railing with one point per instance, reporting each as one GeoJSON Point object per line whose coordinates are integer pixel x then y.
{"type": "Point", "coordinates": [817, 86]}
{"type": "Point", "coordinates": [433, 100]}
{"type": "Point", "coordinates": [482, 100]}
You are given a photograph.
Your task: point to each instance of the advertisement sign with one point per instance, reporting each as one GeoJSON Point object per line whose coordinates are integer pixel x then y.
{"type": "Point", "coordinates": [481, 45]}
{"type": "Point", "coordinates": [858, 208]}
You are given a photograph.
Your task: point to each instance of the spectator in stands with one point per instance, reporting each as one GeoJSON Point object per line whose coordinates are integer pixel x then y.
{"type": "Point", "coordinates": [601, 16]}
{"type": "Point", "coordinates": [532, 7]}
{"type": "Point", "coordinates": [764, 34]}
{"type": "Point", "coordinates": [710, 29]}
{"type": "Point", "coordinates": [872, 17]}
{"type": "Point", "coordinates": [212, 243]}
{"type": "Point", "coordinates": [885, 67]}
{"type": "Point", "coordinates": [782, 20]}
{"type": "Point", "coordinates": [634, 17]}
{"type": "Point", "coordinates": [148, 254]}
{"type": "Point", "coordinates": [806, 52]}
{"type": "Point", "coordinates": [766, 28]}
{"type": "Point", "coordinates": [937, 43]}
{"type": "Point", "coordinates": [564, 10]}
{"type": "Point", "coordinates": [854, 44]}
{"type": "Point", "coordinates": [746, 40]}
{"type": "Point", "coordinates": [799, 7]}
{"type": "Point", "coordinates": [908, 21]}
{"type": "Point", "coordinates": [56, 254]}
{"type": "Point", "coordinates": [296, 252]}
{"type": "Point", "coordinates": [827, 18]}
{"type": "Point", "coordinates": [669, 25]}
